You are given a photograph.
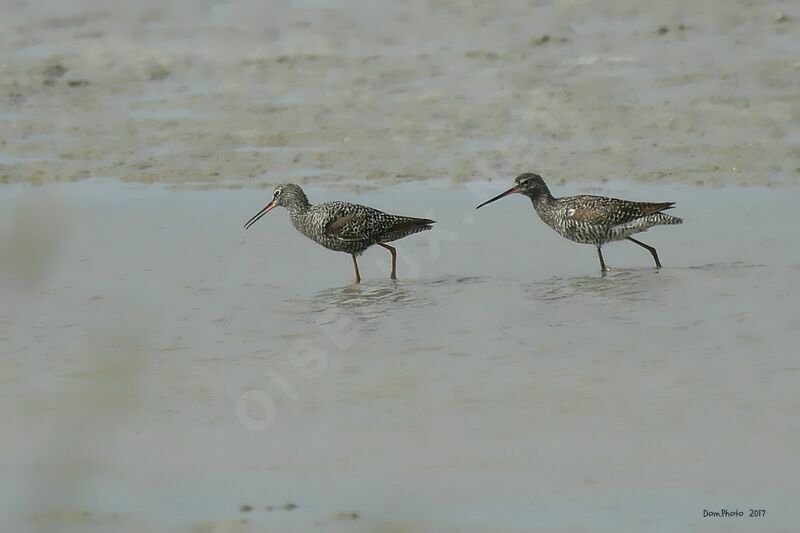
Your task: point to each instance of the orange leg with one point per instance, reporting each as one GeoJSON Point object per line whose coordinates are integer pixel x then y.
{"type": "Point", "coordinates": [355, 265]}
{"type": "Point", "coordinates": [392, 251]}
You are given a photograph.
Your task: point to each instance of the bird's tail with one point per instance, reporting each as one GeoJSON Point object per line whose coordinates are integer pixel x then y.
{"type": "Point", "coordinates": [411, 222]}
{"type": "Point", "coordinates": [665, 219]}
{"type": "Point", "coordinates": [406, 226]}
{"type": "Point", "coordinates": [656, 210]}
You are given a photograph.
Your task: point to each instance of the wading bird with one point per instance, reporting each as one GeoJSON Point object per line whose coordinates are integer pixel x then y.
{"type": "Point", "coordinates": [342, 226]}
{"type": "Point", "coordinates": [589, 219]}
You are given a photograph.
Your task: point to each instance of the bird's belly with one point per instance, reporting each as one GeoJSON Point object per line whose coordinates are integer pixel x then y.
{"type": "Point", "coordinates": [598, 234]}
{"type": "Point", "coordinates": [581, 232]}
{"type": "Point", "coordinates": [339, 245]}
{"type": "Point", "coordinates": [623, 231]}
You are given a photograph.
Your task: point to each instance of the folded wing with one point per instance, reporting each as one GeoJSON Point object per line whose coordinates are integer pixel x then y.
{"type": "Point", "coordinates": [362, 223]}
{"type": "Point", "coordinates": [611, 211]}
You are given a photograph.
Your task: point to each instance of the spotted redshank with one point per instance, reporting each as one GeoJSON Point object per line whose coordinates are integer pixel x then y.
{"type": "Point", "coordinates": [592, 219]}
{"type": "Point", "coordinates": [342, 226]}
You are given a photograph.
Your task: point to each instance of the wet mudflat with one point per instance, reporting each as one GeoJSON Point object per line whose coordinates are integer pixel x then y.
{"type": "Point", "coordinates": [162, 369]}
{"type": "Point", "coordinates": [399, 91]}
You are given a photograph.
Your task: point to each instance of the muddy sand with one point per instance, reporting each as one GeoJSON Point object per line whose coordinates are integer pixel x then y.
{"type": "Point", "coordinates": [224, 94]}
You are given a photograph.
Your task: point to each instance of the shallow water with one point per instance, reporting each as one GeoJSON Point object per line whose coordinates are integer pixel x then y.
{"type": "Point", "coordinates": [161, 368]}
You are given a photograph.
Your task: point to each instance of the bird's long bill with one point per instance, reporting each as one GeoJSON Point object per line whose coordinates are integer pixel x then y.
{"type": "Point", "coordinates": [269, 207]}
{"type": "Point", "coordinates": [512, 190]}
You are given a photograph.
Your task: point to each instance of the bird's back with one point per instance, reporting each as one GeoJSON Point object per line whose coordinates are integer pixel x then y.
{"type": "Point", "coordinates": [352, 228]}
{"type": "Point", "coordinates": [598, 219]}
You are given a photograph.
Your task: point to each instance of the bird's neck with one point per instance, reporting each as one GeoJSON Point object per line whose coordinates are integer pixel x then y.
{"type": "Point", "coordinates": [298, 208]}
{"type": "Point", "coordinates": [543, 201]}
{"type": "Point", "coordinates": [298, 212]}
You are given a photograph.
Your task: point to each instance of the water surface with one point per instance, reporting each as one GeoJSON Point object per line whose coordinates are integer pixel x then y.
{"type": "Point", "coordinates": [161, 368]}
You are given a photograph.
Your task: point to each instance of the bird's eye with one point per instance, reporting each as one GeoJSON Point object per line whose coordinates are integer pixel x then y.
{"type": "Point", "coordinates": [276, 193]}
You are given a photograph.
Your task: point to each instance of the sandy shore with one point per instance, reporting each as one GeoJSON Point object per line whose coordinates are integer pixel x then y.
{"type": "Point", "coordinates": [254, 92]}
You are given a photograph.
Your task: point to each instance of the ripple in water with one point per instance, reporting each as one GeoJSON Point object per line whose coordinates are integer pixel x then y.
{"type": "Point", "coordinates": [633, 285]}
{"type": "Point", "coordinates": [372, 303]}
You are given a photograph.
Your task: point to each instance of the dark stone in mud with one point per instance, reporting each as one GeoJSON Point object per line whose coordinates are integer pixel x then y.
{"type": "Point", "coordinates": [481, 54]}
{"type": "Point", "coordinates": [158, 72]}
{"type": "Point", "coordinates": [77, 83]}
{"type": "Point", "coordinates": [56, 70]}
{"type": "Point", "coordinates": [545, 39]}
{"type": "Point", "coordinates": [345, 516]}
{"type": "Point", "coordinates": [664, 29]}
{"type": "Point", "coordinates": [245, 508]}
{"type": "Point", "coordinates": [285, 507]}
{"type": "Point", "coordinates": [16, 98]}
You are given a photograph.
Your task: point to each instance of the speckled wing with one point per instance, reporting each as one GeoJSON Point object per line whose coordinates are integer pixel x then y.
{"type": "Point", "coordinates": [347, 227]}
{"type": "Point", "coordinates": [358, 223]}
{"type": "Point", "coordinates": [609, 211]}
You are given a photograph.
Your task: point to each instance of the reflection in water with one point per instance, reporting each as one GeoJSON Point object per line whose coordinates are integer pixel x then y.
{"type": "Point", "coordinates": [722, 267]}
{"type": "Point", "coordinates": [632, 285]}
{"type": "Point", "coordinates": [372, 303]}
{"type": "Point", "coordinates": [367, 305]}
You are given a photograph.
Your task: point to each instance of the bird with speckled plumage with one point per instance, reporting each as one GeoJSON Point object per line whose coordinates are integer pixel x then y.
{"type": "Point", "coordinates": [342, 226]}
{"type": "Point", "coordinates": [590, 219]}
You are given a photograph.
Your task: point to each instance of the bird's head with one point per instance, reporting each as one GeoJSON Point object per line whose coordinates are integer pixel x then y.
{"type": "Point", "coordinates": [286, 195]}
{"type": "Point", "coordinates": [530, 184]}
